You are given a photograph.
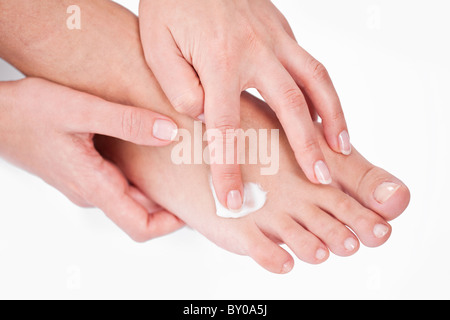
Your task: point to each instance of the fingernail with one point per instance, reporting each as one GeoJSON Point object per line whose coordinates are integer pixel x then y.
{"type": "Point", "coordinates": [202, 118]}
{"type": "Point", "coordinates": [344, 143]}
{"type": "Point", "coordinates": [321, 254]}
{"type": "Point", "coordinates": [234, 200]}
{"type": "Point", "coordinates": [322, 172]}
{"type": "Point", "coordinates": [165, 130]}
{"type": "Point", "coordinates": [385, 191]}
{"type": "Point", "coordinates": [380, 230]}
{"type": "Point", "coordinates": [350, 244]}
{"type": "Point", "coordinates": [287, 267]}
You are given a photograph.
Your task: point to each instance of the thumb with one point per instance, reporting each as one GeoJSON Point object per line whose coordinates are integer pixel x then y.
{"type": "Point", "coordinates": [136, 125]}
{"type": "Point", "coordinates": [176, 76]}
{"type": "Point", "coordinates": [129, 209]}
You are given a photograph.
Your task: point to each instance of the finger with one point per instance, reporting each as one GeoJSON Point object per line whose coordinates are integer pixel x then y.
{"type": "Point", "coordinates": [315, 81]}
{"type": "Point", "coordinates": [175, 75]}
{"type": "Point", "coordinates": [136, 125]}
{"type": "Point", "coordinates": [143, 200]}
{"type": "Point", "coordinates": [283, 95]}
{"type": "Point", "coordinates": [222, 111]}
{"type": "Point", "coordinates": [117, 200]}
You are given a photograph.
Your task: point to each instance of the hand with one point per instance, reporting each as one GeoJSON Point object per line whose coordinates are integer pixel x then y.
{"type": "Point", "coordinates": [48, 130]}
{"type": "Point", "coordinates": [205, 53]}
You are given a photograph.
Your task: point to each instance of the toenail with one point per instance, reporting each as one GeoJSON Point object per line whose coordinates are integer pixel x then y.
{"type": "Point", "coordinates": [350, 244]}
{"type": "Point", "coordinates": [385, 191]}
{"type": "Point", "coordinates": [344, 143]}
{"type": "Point", "coordinates": [322, 172]}
{"type": "Point", "coordinates": [287, 267]}
{"type": "Point", "coordinates": [321, 254]}
{"type": "Point", "coordinates": [380, 230]}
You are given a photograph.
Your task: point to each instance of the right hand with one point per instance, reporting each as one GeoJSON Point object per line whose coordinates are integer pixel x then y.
{"type": "Point", "coordinates": [204, 54]}
{"type": "Point", "coordinates": [48, 130]}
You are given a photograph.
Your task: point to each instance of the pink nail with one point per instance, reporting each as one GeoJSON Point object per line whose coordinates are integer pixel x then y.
{"type": "Point", "coordinates": [380, 230]}
{"type": "Point", "coordinates": [385, 191]}
{"type": "Point", "coordinates": [321, 254]}
{"type": "Point", "coordinates": [202, 118]}
{"type": "Point", "coordinates": [344, 143]}
{"type": "Point", "coordinates": [287, 267]}
{"type": "Point", "coordinates": [322, 172]}
{"type": "Point", "coordinates": [350, 244]}
{"type": "Point", "coordinates": [164, 130]}
{"type": "Point", "coordinates": [234, 200]}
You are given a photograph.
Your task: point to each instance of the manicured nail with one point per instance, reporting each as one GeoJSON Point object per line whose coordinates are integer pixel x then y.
{"type": "Point", "coordinates": [202, 118]}
{"type": "Point", "coordinates": [344, 143]}
{"type": "Point", "coordinates": [380, 230]}
{"type": "Point", "coordinates": [321, 254]}
{"type": "Point", "coordinates": [322, 172]}
{"type": "Point", "coordinates": [287, 267]}
{"type": "Point", "coordinates": [350, 244]}
{"type": "Point", "coordinates": [234, 200]}
{"type": "Point", "coordinates": [385, 191]}
{"type": "Point", "coordinates": [164, 130]}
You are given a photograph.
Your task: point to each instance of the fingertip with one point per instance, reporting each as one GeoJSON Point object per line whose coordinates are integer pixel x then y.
{"type": "Point", "coordinates": [345, 147]}
{"type": "Point", "coordinates": [165, 130]}
{"type": "Point", "coordinates": [322, 173]}
{"type": "Point", "coordinates": [228, 186]}
{"type": "Point", "coordinates": [234, 200]}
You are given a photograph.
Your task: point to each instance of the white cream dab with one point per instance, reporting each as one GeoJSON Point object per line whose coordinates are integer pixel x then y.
{"type": "Point", "coordinates": [254, 199]}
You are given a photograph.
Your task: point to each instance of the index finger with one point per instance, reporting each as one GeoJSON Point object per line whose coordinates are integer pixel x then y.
{"type": "Point", "coordinates": [222, 114]}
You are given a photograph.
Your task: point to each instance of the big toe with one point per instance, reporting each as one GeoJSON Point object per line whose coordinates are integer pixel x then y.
{"type": "Point", "coordinates": [373, 187]}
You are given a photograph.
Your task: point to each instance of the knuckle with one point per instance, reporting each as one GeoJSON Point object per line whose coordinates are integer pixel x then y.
{"type": "Point", "coordinates": [131, 123]}
{"type": "Point", "coordinates": [337, 116]}
{"type": "Point", "coordinates": [293, 100]}
{"type": "Point", "coordinates": [309, 146]}
{"type": "Point", "coordinates": [251, 39]}
{"type": "Point", "coordinates": [226, 124]}
{"type": "Point", "coordinates": [257, 251]}
{"type": "Point", "coordinates": [189, 103]}
{"type": "Point", "coordinates": [334, 234]}
{"type": "Point", "coordinates": [288, 233]}
{"type": "Point", "coordinates": [345, 204]}
{"type": "Point", "coordinates": [317, 70]}
{"type": "Point", "coordinates": [362, 222]}
{"type": "Point", "coordinates": [227, 177]}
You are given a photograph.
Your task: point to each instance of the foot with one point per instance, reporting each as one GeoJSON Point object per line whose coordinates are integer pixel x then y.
{"type": "Point", "coordinates": [310, 219]}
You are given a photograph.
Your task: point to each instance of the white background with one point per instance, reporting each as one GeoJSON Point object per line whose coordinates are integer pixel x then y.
{"type": "Point", "coordinates": [389, 62]}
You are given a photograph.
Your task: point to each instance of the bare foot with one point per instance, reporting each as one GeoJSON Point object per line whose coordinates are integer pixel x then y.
{"type": "Point", "coordinates": [310, 219]}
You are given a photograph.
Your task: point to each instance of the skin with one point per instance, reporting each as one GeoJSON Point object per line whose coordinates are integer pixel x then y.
{"type": "Point", "coordinates": [218, 49]}
{"type": "Point", "coordinates": [37, 134]}
{"type": "Point", "coordinates": [310, 219]}
{"type": "Point", "coordinates": [28, 106]}
{"type": "Point", "coordinates": [305, 216]}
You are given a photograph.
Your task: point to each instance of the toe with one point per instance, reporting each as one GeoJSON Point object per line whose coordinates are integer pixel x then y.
{"type": "Point", "coordinates": [381, 192]}
{"type": "Point", "coordinates": [337, 237]}
{"type": "Point", "coordinates": [373, 187]}
{"type": "Point", "coordinates": [371, 229]}
{"type": "Point", "coordinates": [265, 252]}
{"type": "Point", "coordinates": [306, 246]}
